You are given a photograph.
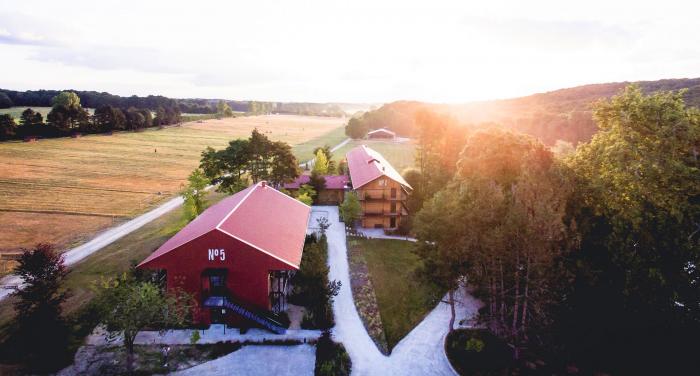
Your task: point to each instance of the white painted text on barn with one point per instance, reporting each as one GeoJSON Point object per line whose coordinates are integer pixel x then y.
{"type": "Point", "coordinates": [217, 253]}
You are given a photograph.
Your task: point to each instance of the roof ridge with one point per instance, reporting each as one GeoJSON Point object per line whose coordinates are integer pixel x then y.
{"type": "Point", "coordinates": [252, 189]}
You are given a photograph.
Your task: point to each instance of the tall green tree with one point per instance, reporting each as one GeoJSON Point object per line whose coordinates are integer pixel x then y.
{"type": "Point", "coordinates": [67, 114]}
{"type": "Point", "coordinates": [320, 163]}
{"type": "Point", "coordinates": [637, 208]}
{"type": "Point", "coordinates": [256, 158]}
{"type": "Point", "coordinates": [330, 163]}
{"type": "Point", "coordinates": [500, 224]}
{"type": "Point", "coordinates": [8, 127]}
{"type": "Point", "coordinates": [38, 307]}
{"type": "Point", "coordinates": [194, 194]}
{"type": "Point", "coordinates": [350, 209]}
{"type": "Point", "coordinates": [66, 99]}
{"type": "Point", "coordinates": [223, 109]}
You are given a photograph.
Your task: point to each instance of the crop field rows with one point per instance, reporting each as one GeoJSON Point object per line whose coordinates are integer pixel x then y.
{"type": "Point", "coordinates": [120, 176]}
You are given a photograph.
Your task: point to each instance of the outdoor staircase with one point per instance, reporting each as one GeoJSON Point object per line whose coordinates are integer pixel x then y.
{"type": "Point", "coordinates": [265, 318]}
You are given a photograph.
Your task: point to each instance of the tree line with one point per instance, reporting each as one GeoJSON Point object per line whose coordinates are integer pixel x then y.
{"type": "Point", "coordinates": [565, 114]}
{"type": "Point", "coordinates": [589, 259]}
{"type": "Point", "coordinates": [94, 99]}
{"type": "Point", "coordinates": [68, 117]}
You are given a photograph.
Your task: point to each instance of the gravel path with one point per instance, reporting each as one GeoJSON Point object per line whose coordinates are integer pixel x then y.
{"type": "Point", "coordinates": [260, 360]}
{"type": "Point", "coordinates": [421, 352]}
{"type": "Point", "coordinates": [77, 254]}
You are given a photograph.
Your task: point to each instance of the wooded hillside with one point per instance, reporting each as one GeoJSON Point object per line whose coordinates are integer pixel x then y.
{"type": "Point", "coordinates": [563, 114]}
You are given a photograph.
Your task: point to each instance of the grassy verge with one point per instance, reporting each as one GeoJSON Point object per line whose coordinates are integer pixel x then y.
{"type": "Point", "coordinates": [403, 300]}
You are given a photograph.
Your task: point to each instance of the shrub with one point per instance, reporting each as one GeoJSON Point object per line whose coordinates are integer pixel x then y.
{"type": "Point", "coordinates": [478, 352]}
{"type": "Point", "coordinates": [331, 357]}
{"type": "Point", "coordinates": [312, 289]}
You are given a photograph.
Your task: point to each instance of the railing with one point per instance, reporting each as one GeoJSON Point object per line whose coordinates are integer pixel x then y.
{"type": "Point", "coordinates": [262, 317]}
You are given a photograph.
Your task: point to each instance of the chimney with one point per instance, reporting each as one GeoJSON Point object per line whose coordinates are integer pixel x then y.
{"type": "Point", "coordinates": [263, 183]}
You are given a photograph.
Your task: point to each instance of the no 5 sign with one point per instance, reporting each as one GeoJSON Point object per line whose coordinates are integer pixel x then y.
{"type": "Point", "coordinates": [217, 254]}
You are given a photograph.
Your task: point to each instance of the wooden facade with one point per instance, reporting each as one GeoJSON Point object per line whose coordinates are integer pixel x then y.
{"type": "Point", "coordinates": [383, 203]}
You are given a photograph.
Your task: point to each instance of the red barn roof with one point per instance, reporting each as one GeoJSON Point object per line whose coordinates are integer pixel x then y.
{"type": "Point", "coordinates": [332, 181]}
{"type": "Point", "coordinates": [260, 216]}
{"type": "Point", "coordinates": [365, 165]}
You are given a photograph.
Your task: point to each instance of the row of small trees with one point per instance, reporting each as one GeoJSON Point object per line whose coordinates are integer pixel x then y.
{"type": "Point", "coordinates": [586, 259]}
{"type": "Point", "coordinates": [68, 117]}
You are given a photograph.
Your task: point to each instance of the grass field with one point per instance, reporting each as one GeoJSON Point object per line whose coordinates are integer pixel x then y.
{"type": "Point", "coordinates": [403, 300]}
{"type": "Point", "coordinates": [400, 155]}
{"type": "Point", "coordinates": [62, 190]}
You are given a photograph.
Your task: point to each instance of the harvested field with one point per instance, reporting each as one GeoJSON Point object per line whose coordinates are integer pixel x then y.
{"type": "Point", "coordinates": [69, 188]}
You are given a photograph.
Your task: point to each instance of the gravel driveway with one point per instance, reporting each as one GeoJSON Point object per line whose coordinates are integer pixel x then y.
{"type": "Point", "coordinates": [421, 352]}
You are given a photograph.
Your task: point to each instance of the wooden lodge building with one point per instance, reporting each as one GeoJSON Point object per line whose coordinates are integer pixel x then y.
{"type": "Point", "coordinates": [236, 258]}
{"type": "Point", "coordinates": [381, 189]}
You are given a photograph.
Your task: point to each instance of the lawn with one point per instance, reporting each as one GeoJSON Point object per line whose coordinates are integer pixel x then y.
{"type": "Point", "coordinates": [401, 155]}
{"type": "Point", "coordinates": [76, 187]}
{"type": "Point", "coordinates": [403, 301]}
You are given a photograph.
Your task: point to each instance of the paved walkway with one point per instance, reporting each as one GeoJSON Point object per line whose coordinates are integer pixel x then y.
{"type": "Point", "coordinates": [419, 353]}
{"type": "Point", "coordinates": [260, 360]}
{"type": "Point", "coordinates": [214, 334]}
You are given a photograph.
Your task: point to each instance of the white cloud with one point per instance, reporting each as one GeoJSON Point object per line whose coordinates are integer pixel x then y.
{"type": "Point", "coordinates": [342, 51]}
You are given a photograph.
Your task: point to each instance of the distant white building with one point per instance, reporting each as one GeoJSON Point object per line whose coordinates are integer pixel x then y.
{"type": "Point", "coordinates": [381, 133]}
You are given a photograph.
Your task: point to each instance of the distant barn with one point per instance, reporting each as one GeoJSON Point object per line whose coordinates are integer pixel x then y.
{"type": "Point", "coordinates": [381, 134]}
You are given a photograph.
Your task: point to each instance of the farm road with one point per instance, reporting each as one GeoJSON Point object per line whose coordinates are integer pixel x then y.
{"type": "Point", "coordinates": [102, 240]}
{"type": "Point", "coordinates": [77, 254]}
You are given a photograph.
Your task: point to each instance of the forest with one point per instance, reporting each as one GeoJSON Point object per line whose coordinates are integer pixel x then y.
{"type": "Point", "coordinates": [565, 114]}
{"type": "Point", "coordinates": [584, 261]}
{"type": "Point", "coordinates": [94, 99]}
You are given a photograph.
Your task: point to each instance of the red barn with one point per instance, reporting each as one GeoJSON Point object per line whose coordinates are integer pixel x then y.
{"type": "Point", "coordinates": [237, 256]}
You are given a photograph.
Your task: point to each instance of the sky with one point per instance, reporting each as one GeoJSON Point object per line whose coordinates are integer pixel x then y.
{"type": "Point", "coordinates": [343, 51]}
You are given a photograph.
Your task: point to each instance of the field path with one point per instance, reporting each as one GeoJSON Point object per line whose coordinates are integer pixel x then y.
{"type": "Point", "coordinates": [77, 254]}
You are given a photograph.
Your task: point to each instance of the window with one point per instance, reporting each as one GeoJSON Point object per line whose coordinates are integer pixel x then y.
{"type": "Point", "coordinates": [382, 182]}
{"type": "Point", "coordinates": [393, 192]}
{"type": "Point", "coordinates": [393, 208]}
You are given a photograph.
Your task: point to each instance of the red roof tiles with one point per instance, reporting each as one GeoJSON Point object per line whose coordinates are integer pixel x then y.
{"type": "Point", "coordinates": [259, 216]}
{"type": "Point", "coordinates": [365, 165]}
